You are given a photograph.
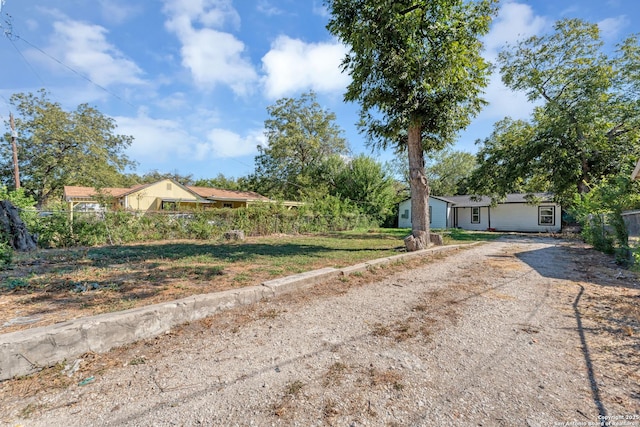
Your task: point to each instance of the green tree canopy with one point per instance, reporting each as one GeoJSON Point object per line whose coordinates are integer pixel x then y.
{"type": "Point", "coordinates": [586, 127]}
{"type": "Point", "coordinates": [301, 135]}
{"type": "Point", "coordinates": [222, 182]}
{"type": "Point", "coordinates": [58, 147]}
{"type": "Point", "coordinates": [368, 185]}
{"type": "Point", "coordinates": [448, 171]}
{"type": "Point", "coordinates": [418, 74]}
{"type": "Point", "coordinates": [155, 176]}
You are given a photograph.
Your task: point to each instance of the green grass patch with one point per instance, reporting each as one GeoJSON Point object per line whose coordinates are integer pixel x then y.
{"type": "Point", "coordinates": [454, 235]}
{"type": "Point", "coordinates": [110, 278]}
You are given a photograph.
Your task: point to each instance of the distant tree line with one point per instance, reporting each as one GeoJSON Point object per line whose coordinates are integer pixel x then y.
{"type": "Point", "coordinates": [418, 75]}
{"type": "Point", "coordinates": [306, 159]}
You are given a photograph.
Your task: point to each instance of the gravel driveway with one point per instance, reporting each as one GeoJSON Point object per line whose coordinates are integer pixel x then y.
{"type": "Point", "coordinates": [511, 332]}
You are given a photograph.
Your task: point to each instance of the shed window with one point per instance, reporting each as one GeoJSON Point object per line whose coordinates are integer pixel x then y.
{"type": "Point", "coordinates": [405, 215]}
{"type": "Point", "coordinates": [546, 215]}
{"type": "Point", "coordinates": [227, 205]}
{"type": "Point", "coordinates": [475, 215]}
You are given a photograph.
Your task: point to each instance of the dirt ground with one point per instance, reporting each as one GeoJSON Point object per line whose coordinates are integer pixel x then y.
{"type": "Point", "coordinates": [529, 331]}
{"type": "Point", "coordinates": [50, 286]}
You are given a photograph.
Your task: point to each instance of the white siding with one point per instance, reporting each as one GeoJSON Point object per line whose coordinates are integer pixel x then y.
{"type": "Point", "coordinates": [438, 213]}
{"type": "Point", "coordinates": [464, 219]}
{"type": "Point", "coordinates": [502, 217]}
{"type": "Point", "coordinates": [523, 217]}
{"type": "Point", "coordinates": [404, 214]}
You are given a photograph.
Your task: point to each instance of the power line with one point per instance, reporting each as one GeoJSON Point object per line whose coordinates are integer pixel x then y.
{"type": "Point", "coordinates": [73, 70]}
{"type": "Point", "coordinates": [33, 70]}
{"type": "Point", "coordinates": [7, 28]}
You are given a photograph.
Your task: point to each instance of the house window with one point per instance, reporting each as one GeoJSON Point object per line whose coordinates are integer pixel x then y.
{"type": "Point", "coordinates": [430, 221]}
{"type": "Point", "coordinates": [405, 215]}
{"type": "Point", "coordinates": [227, 205]}
{"type": "Point", "coordinates": [546, 215]}
{"type": "Point", "coordinates": [475, 215]}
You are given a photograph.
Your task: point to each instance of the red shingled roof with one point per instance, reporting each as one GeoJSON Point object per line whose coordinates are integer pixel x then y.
{"type": "Point", "coordinates": [74, 191]}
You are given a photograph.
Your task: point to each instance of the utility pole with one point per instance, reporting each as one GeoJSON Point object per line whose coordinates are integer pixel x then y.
{"type": "Point", "coordinates": [14, 147]}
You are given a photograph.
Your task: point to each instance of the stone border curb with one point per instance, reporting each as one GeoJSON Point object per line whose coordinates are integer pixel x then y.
{"type": "Point", "coordinates": [28, 351]}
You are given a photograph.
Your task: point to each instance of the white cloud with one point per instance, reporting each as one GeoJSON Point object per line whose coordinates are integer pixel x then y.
{"type": "Point", "coordinates": [159, 141]}
{"type": "Point", "coordinates": [292, 66]}
{"type": "Point", "coordinates": [85, 49]}
{"type": "Point", "coordinates": [265, 7]}
{"type": "Point", "coordinates": [156, 140]}
{"type": "Point", "coordinates": [505, 102]}
{"type": "Point", "coordinates": [515, 22]}
{"type": "Point", "coordinates": [610, 28]}
{"type": "Point", "coordinates": [213, 57]}
{"type": "Point", "coordinates": [223, 143]}
{"type": "Point", "coordinates": [209, 13]}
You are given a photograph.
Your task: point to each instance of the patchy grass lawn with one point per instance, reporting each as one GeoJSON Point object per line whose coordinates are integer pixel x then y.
{"type": "Point", "coordinates": [54, 285]}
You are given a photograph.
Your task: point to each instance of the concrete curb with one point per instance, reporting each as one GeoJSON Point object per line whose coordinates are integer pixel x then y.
{"type": "Point", "coordinates": [300, 281]}
{"type": "Point", "coordinates": [28, 351]}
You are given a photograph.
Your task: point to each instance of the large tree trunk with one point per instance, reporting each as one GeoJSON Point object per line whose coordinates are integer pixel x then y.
{"type": "Point", "coordinates": [419, 238]}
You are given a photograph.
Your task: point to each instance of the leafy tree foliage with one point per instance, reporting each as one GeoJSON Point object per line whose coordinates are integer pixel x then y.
{"type": "Point", "coordinates": [155, 176]}
{"type": "Point", "coordinates": [25, 203]}
{"type": "Point", "coordinates": [448, 171]}
{"type": "Point", "coordinates": [366, 183]}
{"type": "Point", "coordinates": [418, 73]}
{"type": "Point", "coordinates": [222, 182]}
{"type": "Point", "coordinates": [301, 135]}
{"type": "Point", "coordinates": [599, 212]}
{"type": "Point", "coordinates": [586, 127]}
{"type": "Point", "coordinates": [58, 148]}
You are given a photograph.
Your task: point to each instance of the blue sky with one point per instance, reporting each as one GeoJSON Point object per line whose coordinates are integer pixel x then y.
{"type": "Point", "coordinates": [191, 79]}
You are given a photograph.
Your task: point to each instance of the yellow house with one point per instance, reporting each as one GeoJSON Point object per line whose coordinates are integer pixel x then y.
{"type": "Point", "coordinates": [166, 194]}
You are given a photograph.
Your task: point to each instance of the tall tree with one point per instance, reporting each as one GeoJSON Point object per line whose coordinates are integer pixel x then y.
{"type": "Point", "coordinates": [300, 136]}
{"type": "Point", "coordinates": [586, 127]}
{"type": "Point", "coordinates": [418, 74]}
{"type": "Point", "coordinates": [60, 148]}
{"type": "Point", "coordinates": [369, 185]}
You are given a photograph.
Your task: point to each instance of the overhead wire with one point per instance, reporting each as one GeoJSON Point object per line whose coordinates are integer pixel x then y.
{"type": "Point", "coordinates": [10, 35]}
{"type": "Point", "coordinates": [33, 70]}
{"type": "Point", "coordinates": [73, 70]}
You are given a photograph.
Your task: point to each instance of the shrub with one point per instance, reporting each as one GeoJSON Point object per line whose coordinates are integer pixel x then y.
{"type": "Point", "coordinates": [97, 228]}
{"type": "Point", "coordinates": [6, 255]}
{"type": "Point", "coordinates": [599, 212]}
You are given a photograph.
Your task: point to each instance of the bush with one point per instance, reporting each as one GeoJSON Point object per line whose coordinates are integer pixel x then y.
{"type": "Point", "coordinates": [6, 255]}
{"type": "Point", "coordinates": [99, 228]}
{"type": "Point", "coordinates": [25, 204]}
{"type": "Point", "coordinates": [599, 212]}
